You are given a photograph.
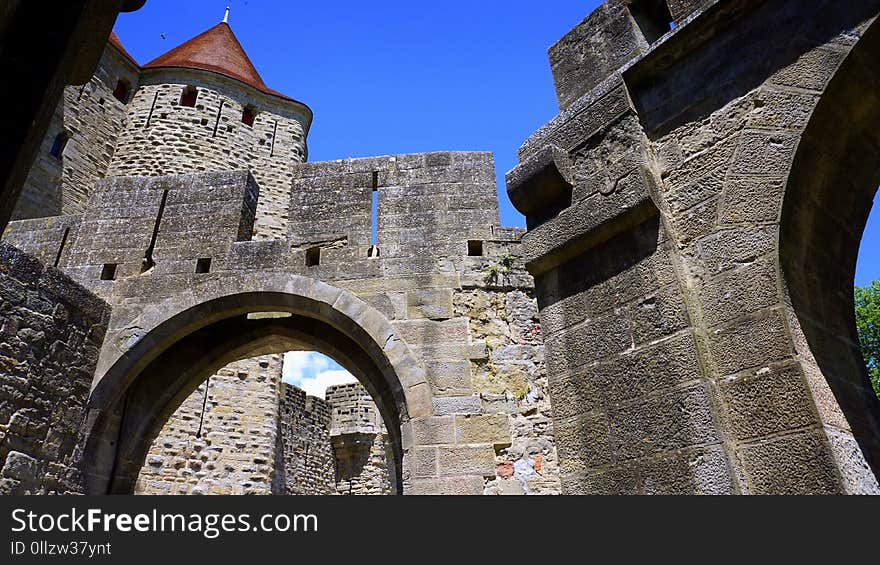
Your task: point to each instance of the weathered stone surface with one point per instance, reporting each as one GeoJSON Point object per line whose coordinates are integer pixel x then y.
{"type": "Point", "coordinates": [50, 330]}
{"type": "Point", "coordinates": [728, 315]}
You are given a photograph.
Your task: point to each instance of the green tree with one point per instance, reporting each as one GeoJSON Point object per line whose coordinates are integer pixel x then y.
{"type": "Point", "coordinates": [868, 324]}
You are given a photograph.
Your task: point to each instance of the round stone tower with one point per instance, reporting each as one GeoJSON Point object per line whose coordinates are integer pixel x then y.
{"type": "Point", "coordinates": [204, 107]}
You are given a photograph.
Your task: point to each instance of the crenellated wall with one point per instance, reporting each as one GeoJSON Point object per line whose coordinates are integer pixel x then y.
{"type": "Point", "coordinates": [479, 385]}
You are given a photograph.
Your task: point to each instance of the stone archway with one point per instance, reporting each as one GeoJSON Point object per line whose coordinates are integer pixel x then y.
{"type": "Point", "coordinates": [149, 366]}
{"type": "Point", "coordinates": [828, 197]}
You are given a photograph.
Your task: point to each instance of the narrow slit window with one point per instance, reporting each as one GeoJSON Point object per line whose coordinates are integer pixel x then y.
{"type": "Point", "coordinates": [189, 96]}
{"type": "Point", "coordinates": [475, 248]}
{"type": "Point", "coordinates": [203, 265]}
{"type": "Point", "coordinates": [121, 91]}
{"type": "Point", "coordinates": [374, 219]}
{"type": "Point", "coordinates": [58, 145]}
{"type": "Point", "coordinates": [108, 273]}
{"type": "Point", "coordinates": [248, 115]}
{"type": "Point", "coordinates": [313, 257]}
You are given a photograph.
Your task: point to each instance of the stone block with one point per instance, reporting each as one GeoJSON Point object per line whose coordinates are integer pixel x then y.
{"type": "Point", "coordinates": [433, 430]}
{"type": "Point", "coordinates": [471, 460]}
{"type": "Point", "coordinates": [494, 429]}
{"type": "Point", "coordinates": [769, 401]}
{"type": "Point", "coordinates": [794, 464]}
{"type": "Point", "coordinates": [431, 304]}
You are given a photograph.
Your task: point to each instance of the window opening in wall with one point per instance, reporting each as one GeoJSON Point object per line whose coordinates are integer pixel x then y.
{"type": "Point", "coordinates": [313, 257]}
{"type": "Point", "coordinates": [374, 217]}
{"type": "Point", "coordinates": [189, 96]}
{"type": "Point", "coordinates": [475, 248]}
{"type": "Point", "coordinates": [274, 135]}
{"type": "Point", "coordinates": [248, 115]}
{"type": "Point", "coordinates": [58, 145]}
{"type": "Point", "coordinates": [108, 273]}
{"type": "Point", "coordinates": [152, 109]}
{"type": "Point", "coordinates": [652, 17]}
{"type": "Point", "coordinates": [122, 90]}
{"type": "Point", "coordinates": [203, 265]}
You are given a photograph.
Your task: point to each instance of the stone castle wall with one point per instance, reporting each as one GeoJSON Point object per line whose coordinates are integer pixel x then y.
{"type": "Point", "coordinates": [50, 334]}
{"type": "Point", "coordinates": [167, 138]}
{"type": "Point", "coordinates": [307, 458]}
{"type": "Point", "coordinates": [225, 443]}
{"type": "Point", "coordinates": [94, 120]}
{"type": "Point", "coordinates": [415, 282]}
{"type": "Point", "coordinates": [658, 204]}
{"type": "Point", "coordinates": [360, 442]}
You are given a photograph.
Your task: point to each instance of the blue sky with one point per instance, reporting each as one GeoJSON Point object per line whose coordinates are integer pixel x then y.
{"type": "Point", "coordinates": [313, 372]}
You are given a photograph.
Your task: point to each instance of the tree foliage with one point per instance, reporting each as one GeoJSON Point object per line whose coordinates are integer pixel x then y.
{"type": "Point", "coordinates": [868, 324]}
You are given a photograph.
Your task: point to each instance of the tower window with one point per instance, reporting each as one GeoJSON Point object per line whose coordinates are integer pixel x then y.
{"type": "Point", "coordinates": [248, 115]}
{"type": "Point", "coordinates": [313, 257]}
{"type": "Point", "coordinates": [122, 90]}
{"type": "Point", "coordinates": [475, 248]}
{"type": "Point", "coordinates": [189, 96]}
{"type": "Point", "coordinates": [108, 273]}
{"type": "Point", "coordinates": [59, 144]}
{"type": "Point", "coordinates": [203, 265]}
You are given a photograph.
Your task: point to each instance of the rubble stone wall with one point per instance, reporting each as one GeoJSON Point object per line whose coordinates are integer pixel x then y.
{"type": "Point", "coordinates": [51, 331]}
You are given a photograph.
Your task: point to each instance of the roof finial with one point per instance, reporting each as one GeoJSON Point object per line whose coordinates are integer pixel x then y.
{"type": "Point", "coordinates": [226, 16]}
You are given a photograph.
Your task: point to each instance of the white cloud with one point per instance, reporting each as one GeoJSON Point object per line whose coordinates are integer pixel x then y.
{"type": "Point", "coordinates": [318, 385]}
{"type": "Point", "coordinates": [313, 372]}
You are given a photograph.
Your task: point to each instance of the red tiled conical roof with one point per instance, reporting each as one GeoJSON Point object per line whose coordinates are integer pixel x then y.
{"type": "Point", "coordinates": [216, 50]}
{"type": "Point", "coordinates": [114, 41]}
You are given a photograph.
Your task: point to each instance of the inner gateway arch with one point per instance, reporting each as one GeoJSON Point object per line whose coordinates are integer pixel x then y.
{"type": "Point", "coordinates": [694, 214]}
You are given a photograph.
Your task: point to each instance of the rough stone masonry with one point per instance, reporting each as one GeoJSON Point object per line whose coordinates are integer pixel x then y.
{"type": "Point", "coordinates": [694, 214]}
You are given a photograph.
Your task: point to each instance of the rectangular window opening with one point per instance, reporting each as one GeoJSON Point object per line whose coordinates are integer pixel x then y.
{"type": "Point", "coordinates": [108, 273]}
{"type": "Point", "coordinates": [121, 91]}
{"type": "Point", "coordinates": [374, 220]}
{"type": "Point", "coordinates": [203, 265]}
{"type": "Point", "coordinates": [313, 257]}
{"type": "Point", "coordinates": [58, 145]}
{"type": "Point", "coordinates": [475, 248]}
{"type": "Point", "coordinates": [248, 115]}
{"type": "Point", "coordinates": [189, 96]}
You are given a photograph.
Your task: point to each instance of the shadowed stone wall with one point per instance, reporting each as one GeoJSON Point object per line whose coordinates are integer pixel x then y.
{"type": "Point", "coordinates": [225, 443]}
{"type": "Point", "coordinates": [51, 331]}
{"type": "Point", "coordinates": [93, 119]}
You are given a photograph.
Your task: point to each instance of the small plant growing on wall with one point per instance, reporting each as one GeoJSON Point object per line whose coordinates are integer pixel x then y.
{"type": "Point", "coordinates": [496, 271]}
